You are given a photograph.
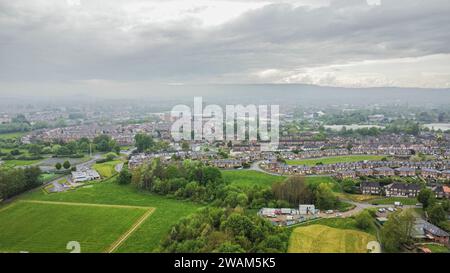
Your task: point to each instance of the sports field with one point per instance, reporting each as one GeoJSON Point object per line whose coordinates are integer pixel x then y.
{"type": "Point", "coordinates": [324, 239]}
{"type": "Point", "coordinates": [50, 226]}
{"type": "Point", "coordinates": [333, 159]}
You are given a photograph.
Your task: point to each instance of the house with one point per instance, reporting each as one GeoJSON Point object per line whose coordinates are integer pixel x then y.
{"type": "Point", "coordinates": [384, 171]}
{"type": "Point", "coordinates": [446, 190]}
{"type": "Point", "coordinates": [445, 174]}
{"type": "Point", "coordinates": [364, 172]}
{"type": "Point", "coordinates": [372, 188]}
{"type": "Point", "coordinates": [398, 189]}
{"type": "Point", "coordinates": [346, 174]}
{"type": "Point", "coordinates": [428, 231]}
{"type": "Point", "coordinates": [429, 173]}
{"type": "Point", "coordinates": [438, 191]}
{"type": "Point", "coordinates": [405, 171]}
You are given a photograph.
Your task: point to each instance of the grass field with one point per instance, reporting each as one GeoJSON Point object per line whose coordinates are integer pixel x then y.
{"type": "Point", "coordinates": [12, 135]}
{"type": "Point", "coordinates": [147, 237]}
{"type": "Point", "coordinates": [357, 197]}
{"type": "Point", "coordinates": [324, 239]}
{"type": "Point", "coordinates": [250, 178]}
{"type": "Point", "coordinates": [45, 227]}
{"type": "Point", "coordinates": [437, 248]}
{"type": "Point", "coordinates": [106, 169]}
{"type": "Point", "coordinates": [19, 163]}
{"type": "Point", "coordinates": [392, 200]}
{"type": "Point", "coordinates": [334, 159]}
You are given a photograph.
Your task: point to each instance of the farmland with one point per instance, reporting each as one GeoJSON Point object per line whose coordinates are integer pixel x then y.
{"type": "Point", "coordinates": [324, 239]}
{"type": "Point", "coordinates": [333, 159]}
{"type": "Point", "coordinates": [88, 219]}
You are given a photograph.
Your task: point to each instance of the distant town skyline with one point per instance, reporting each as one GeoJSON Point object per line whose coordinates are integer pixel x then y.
{"type": "Point", "coordinates": [76, 45]}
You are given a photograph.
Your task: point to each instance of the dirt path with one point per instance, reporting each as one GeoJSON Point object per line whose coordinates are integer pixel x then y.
{"type": "Point", "coordinates": [127, 234]}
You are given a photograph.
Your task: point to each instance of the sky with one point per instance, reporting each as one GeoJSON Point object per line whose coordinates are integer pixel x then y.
{"type": "Point", "coordinates": [72, 45]}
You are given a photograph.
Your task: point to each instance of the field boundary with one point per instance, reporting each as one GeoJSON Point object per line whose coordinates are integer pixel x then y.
{"type": "Point", "coordinates": [130, 231]}
{"type": "Point", "coordinates": [122, 238]}
{"type": "Point", "coordinates": [84, 204]}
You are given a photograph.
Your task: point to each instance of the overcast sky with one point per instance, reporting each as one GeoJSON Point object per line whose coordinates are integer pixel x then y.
{"type": "Point", "coordinates": [103, 45]}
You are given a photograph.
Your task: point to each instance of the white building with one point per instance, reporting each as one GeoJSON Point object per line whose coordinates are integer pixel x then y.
{"type": "Point", "coordinates": [307, 209]}
{"type": "Point", "coordinates": [85, 175]}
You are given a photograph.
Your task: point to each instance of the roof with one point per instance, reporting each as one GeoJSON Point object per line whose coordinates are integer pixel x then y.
{"type": "Point", "coordinates": [446, 189]}
{"type": "Point", "coordinates": [370, 184]}
{"type": "Point", "coordinates": [404, 186]}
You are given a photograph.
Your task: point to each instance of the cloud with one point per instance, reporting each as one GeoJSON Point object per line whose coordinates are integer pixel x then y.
{"type": "Point", "coordinates": [319, 42]}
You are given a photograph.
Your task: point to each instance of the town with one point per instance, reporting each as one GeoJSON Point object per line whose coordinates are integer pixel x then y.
{"type": "Point", "coordinates": [384, 166]}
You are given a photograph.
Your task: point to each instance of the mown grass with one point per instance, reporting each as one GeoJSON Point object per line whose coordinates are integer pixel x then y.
{"type": "Point", "coordinates": [147, 237]}
{"type": "Point", "coordinates": [106, 169]}
{"type": "Point", "coordinates": [333, 159]}
{"type": "Point", "coordinates": [49, 227]}
{"type": "Point", "coordinates": [392, 200]}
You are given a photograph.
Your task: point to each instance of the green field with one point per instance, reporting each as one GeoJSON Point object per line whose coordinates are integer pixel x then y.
{"type": "Point", "coordinates": [392, 200]}
{"type": "Point", "coordinates": [38, 227]}
{"type": "Point", "coordinates": [334, 159]}
{"type": "Point", "coordinates": [19, 163]}
{"type": "Point", "coordinates": [11, 135]}
{"type": "Point", "coordinates": [148, 236]}
{"type": "Point", "coordinates": [106, 169]}
{"type": "Point", "coordinates": [249, 178]}
{"type": "Point", "coordinates": [324, 239]}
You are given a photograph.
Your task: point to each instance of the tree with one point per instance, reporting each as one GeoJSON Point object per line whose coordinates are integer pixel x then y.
{"type": "Point", "coordinates": [348, 185]}
{"type": "Point", "coordinates": [293, 190]}
{"type": "Point", "coordinates": [35, 149]}
{"type": "Point", "coordinates": [324, 197]}
{"type": "Point", "coordinates": [143, 142]}
{"type": "Point", "coordinates": [58, 166]}
{"type": "Point", "coordinates": [66, 164]}
{"type": "Point", "coordinates": [397, 230]}
{"type": "Point", "coordinates": [426, 197]}
{"type": "Point", "coordinates": [110, 156]}
{"type": "Point", "coordinates": [437, 214]}
{"type": "Point", "coordinates": [185, 146]}
{"type": "Point", "coordinates": [124, 176]}
{"type": "Point", "coordinates": [364, 220]}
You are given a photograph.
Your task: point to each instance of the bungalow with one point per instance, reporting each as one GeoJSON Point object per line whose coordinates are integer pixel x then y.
{"type": "Point", "coordinates": [86, 175]}
{"type": "Point", "coordinates": [367, 187]}
{"type": "Point", "coordinates": [428, 231]}
{"type": "Point", "coordinates": [399, 189]}
{"type": "Point", "coordinates": [384, 171]}
{"type": "Point", "coordinates": [405, 171]}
